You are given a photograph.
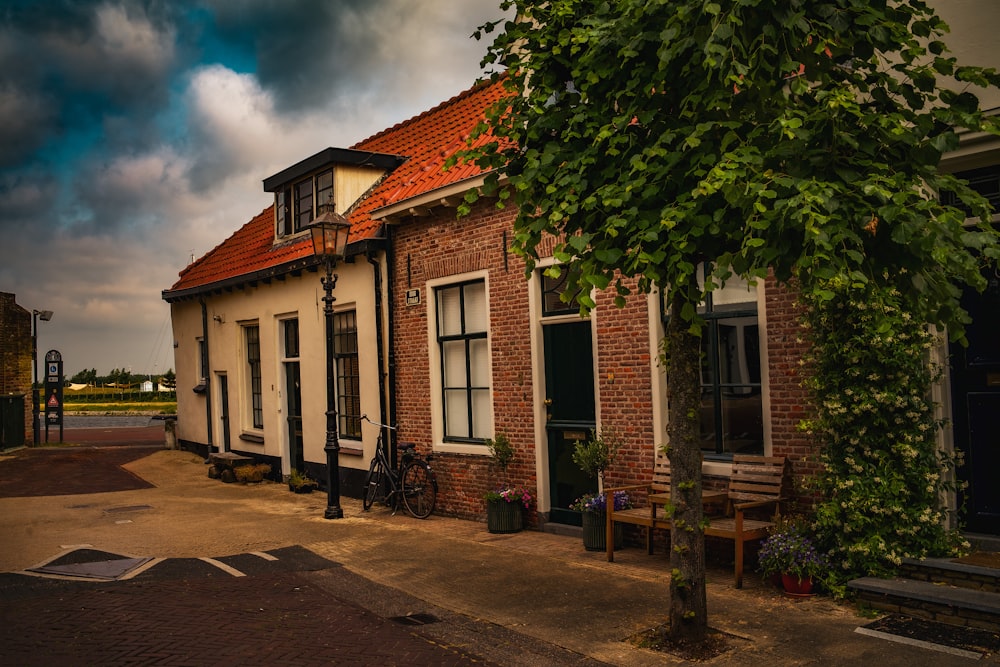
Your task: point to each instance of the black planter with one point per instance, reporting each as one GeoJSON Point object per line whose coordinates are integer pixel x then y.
{"type": "Point", "coordinates": [504, 517]}
{"type": "Point", "coordinates": [595, 532]}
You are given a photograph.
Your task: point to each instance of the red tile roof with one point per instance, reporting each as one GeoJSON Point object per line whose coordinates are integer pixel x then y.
{"type": "Point", "coordinates": [428, 140]}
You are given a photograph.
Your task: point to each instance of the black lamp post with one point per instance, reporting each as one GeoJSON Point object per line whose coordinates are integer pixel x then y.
{"type": "Point", "coordinates": [45, 316]}
{"type": "Point", "coordinates": [329, 236]}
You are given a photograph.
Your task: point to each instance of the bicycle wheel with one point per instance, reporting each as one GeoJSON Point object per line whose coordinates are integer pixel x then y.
{"type": "Point", "coordinates": [419, 489]}
{"type": "Point", "coordinates": [373, 482]}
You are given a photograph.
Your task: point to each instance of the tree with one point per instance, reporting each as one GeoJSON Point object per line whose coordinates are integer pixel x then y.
{"type": "Point", "coordinates": [169, 379]}
{"type": "Point", "coordinates": [801, 137]}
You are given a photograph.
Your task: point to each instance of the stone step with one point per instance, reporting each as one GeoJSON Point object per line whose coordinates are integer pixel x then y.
{"type": "Point", "coordinates": [944, 570]}
{"type": "Point", "coordinates": [938, 602]}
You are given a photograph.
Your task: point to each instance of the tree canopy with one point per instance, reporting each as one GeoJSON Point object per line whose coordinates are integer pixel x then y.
{"type": "Point", "coordinates": [801, 136]}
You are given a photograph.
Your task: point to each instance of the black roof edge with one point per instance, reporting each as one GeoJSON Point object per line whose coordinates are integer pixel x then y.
{"type": "Point", "coordinates": [310, 263]}
{"type": "Point", "coordinates": [331, 156]}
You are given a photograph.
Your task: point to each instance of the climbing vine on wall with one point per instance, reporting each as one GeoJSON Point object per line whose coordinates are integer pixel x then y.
{"type": "Point", "coordinates": [880, 486]}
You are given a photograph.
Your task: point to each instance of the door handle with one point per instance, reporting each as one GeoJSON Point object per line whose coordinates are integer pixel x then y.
{"type": "Point", "coordinates": [548, 402]}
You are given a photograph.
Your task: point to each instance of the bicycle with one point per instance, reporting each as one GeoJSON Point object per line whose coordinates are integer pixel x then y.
{"type": "Point", "coordinates": [414, 482]}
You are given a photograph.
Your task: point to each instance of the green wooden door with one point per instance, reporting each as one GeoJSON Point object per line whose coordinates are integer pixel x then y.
{"type": "Point", "coordinates": [569, 385]}
{"type": "Point", "coordinates": [975, 389]}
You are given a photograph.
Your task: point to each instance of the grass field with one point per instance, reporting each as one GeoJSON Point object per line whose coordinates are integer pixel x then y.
{"type": "Point", "coordinates": [165, 407]}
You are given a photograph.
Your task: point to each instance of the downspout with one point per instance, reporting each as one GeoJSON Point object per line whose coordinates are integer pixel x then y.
{"type": "Point", "coordinates": [380, 347]}
{"type": "Point", "coordinates": [390, 297]}
{"type": "Point", "coordinates": [208, 384]}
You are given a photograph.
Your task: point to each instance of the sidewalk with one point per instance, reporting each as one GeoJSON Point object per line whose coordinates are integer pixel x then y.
{"type": "Point", "coordinates": [544, 587]}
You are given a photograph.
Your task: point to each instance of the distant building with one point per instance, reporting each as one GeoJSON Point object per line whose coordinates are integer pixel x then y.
{"type": "Point", "coordinates": [15, 373]}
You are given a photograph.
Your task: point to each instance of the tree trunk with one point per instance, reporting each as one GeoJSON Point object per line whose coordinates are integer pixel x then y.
{"type": "Point", "coordinates": [688, 607]}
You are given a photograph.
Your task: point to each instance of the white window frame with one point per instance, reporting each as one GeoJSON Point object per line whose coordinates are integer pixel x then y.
{"type": "Point", "coordinates": [434, 361]}
{"type": "Point", "coordinates": [246, 379]}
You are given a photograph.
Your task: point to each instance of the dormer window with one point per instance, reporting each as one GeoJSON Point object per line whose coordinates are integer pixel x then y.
{"type": "Point", "coordinates": [300, 189]}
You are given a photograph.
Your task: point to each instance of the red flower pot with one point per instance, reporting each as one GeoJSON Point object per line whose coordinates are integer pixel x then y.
{"type": "Point", "coordinates": [795, 586]}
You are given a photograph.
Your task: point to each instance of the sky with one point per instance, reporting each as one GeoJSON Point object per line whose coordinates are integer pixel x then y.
{"type": "Point", "coordinates": [135, 135]}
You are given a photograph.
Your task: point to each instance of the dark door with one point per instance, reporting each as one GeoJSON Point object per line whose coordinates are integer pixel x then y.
{"type": "Point", "coordinates": [975, 386]}
{"type": "Point", "coordinates": [11, 421]}
{"type": "Point", "coordinates": [569, 386]}
{"type": "Point", "coordinates": [293, 408]}
{"type": "Point", "coordinates": [224, 411]}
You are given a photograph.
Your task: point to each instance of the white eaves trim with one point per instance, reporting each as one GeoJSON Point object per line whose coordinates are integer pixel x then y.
{"type": "Point", "coordinates": [449, 196]}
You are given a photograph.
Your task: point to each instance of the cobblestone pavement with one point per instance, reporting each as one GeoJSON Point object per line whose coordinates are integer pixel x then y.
{"type": "Point", "coordinates": [524, 599]}
{"type": "Point", "coordinates": [192, 613]}
{"type": "Point", "coordinates": [284, 606]}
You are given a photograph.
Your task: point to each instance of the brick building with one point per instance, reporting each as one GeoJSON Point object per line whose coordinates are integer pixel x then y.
{"type": "Point", "coordinates": [15, 373]}
{"type": "Point", "coordinates": [448, 339]}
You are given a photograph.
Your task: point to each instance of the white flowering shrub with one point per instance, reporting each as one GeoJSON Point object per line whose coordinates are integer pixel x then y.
{"type": "Point", "coordinates": [878, 491]}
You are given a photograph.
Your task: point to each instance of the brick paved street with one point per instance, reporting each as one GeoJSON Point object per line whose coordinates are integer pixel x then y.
{"type": "Point", "coordinates": [193, 616]}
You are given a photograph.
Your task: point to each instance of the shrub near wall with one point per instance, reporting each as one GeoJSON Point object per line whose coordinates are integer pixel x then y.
{"type": "Point", "coordinates": [881, 473]}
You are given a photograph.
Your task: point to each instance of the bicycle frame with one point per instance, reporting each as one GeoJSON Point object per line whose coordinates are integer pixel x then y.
{"type": "Point", "coordinates": [413, 482]}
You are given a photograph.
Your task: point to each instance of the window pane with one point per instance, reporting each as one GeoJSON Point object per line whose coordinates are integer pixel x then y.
{"type": "Point", "coordinates": [475, 308]}
{"type": "Point", "coordinates": [324, 187]}
{"type": "Point", "coordinates": [291, 328]}
{"type": "Point", "coordinates": [743, 425]}
{"type": "Point", "coordinates": [252, 334]}
{"type": "Point", "coordinates": [551, 289]}
{"type": "Point", "coordinates": [481, 413]}
{"type": "Point", "coordinates": [348, 369]}
{"type": "Point", "coordinates": [456, 412]}
{"type": "Point", "coordinates": [453, 357]}
{"type": "Point", "coordinates": [479, 362]}
{"type": "Point", "coordinates": [736, 290]}
{"type": "Point", "coordinates": [303, 204]}
{"type": "Point", "coordinates": [449, 310]}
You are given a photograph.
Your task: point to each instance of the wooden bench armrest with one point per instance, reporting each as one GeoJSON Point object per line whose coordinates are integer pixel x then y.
{"type": "Point", "coordinates": [631, 487]}
{"type": "Point", "coordinates": [739, 507]}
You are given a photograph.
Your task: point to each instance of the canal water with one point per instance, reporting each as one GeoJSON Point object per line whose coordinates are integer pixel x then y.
{"type": "Point", "coordinates": [109, 421]}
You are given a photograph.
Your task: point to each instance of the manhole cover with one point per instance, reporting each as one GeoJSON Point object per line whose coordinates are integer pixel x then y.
{"type": "Point", "coordinates": [106, 569]}
{"type": "Point", "coordinates": [128, 508]}
{"type": "Point", "coordinates": [416, 619]}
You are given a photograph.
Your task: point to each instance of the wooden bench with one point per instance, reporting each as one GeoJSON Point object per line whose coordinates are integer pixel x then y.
{"type": "Point", "coordinates": [651, 515]}
{"type": "Point", "coordinates": [757, 483]}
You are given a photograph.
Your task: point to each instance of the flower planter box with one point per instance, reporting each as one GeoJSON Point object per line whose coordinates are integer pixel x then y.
{"type": "Point", "coordinates": [595, 532]}
{"type": "Point", "coordinates": [504, 517]}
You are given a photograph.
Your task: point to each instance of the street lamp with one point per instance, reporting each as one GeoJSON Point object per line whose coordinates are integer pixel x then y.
{"type": "Point", "coordinates": [329, 237]}
{"type": "Point", "coordinates": [45, 316]}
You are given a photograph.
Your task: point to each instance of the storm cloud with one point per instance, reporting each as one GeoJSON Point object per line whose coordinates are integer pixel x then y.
{"type": "Point", "coordinates": [135, 134]}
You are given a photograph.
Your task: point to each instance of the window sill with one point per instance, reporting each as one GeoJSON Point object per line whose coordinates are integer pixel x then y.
{"type": "Point", "coordinates": [253, 438]}
{"type": "Point", "coordinates": [352, 451]}
{"type": "Point", "coordinates": [461, 448]}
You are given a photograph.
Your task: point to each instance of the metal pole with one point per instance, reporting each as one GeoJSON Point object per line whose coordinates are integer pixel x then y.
{"type": "Point", "coordinates": [332, 448]}
{"type": "Point", "coordinates": [36, 428]}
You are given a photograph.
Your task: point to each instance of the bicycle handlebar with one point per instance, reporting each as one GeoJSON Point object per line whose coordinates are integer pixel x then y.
{"type": "Point", "coordinates": [374, 423]}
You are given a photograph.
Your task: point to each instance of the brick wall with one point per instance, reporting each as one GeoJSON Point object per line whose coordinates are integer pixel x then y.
{"type": "Point", "coordinates": [438, 246]}
{"type": "Point", "coordinates": [15, 354]}
{"type": "Point", "coordinates": [788, 398]}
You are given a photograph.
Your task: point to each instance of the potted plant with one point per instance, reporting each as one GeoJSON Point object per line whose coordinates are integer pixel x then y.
{"type": "Point", "coordinates": [506, 504]}
{"type": "Point", "coordinates": [594, 511]}
{"type": "Point", "coordinates": [299, 482]}
{"type": "Point", "coordinates": [595, 456]}
{"type": "Point", "coordinates": [790, 552]}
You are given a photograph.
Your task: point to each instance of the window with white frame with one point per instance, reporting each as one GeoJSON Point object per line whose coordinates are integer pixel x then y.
{"type": "Point", "coordinates": [348, 370]}
{"type": "Point", "coordinates": [251, 333]}
{"type": "Point", "coordinates": [463, 346]}
{"type": "Point", "coordinates": [731, 415]}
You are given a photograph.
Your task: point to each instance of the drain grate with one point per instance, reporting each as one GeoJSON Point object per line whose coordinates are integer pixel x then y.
{"type": "Point", "coordinates": [415, 619]}
{"type": "Point", "coordinates": [127, 508]}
